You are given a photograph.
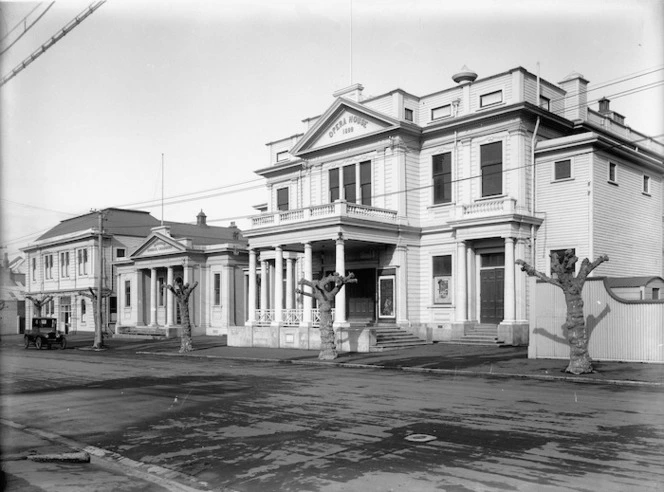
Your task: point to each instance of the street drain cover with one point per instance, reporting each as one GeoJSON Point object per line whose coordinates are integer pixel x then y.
{"type": "Point", "coordinates": [420, 438]}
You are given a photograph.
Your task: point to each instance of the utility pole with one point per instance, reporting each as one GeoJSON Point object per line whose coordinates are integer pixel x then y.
{"type": "Point", "coordinates": [100, 283]}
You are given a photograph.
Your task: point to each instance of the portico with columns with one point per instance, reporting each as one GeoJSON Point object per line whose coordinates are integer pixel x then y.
{"type": "Point", "coordinates": [145, 304]}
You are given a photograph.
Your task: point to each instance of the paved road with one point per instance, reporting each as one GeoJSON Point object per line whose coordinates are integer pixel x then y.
{"type": "Point", "coordinates": [252, 426]}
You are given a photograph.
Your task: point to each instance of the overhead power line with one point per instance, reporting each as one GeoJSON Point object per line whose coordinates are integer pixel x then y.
{"type": "Point", "coordinates": [48, 44]}
{"type": "Point", "coordinates": [27, 28]}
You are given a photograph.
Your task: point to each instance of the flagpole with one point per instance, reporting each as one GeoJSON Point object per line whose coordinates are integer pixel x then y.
{"type": "Point", "coordinates": [162, 189]}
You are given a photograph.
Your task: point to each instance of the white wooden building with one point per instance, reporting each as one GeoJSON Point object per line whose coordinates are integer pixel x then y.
{"type": "Point", "coordinates": [429, 200]}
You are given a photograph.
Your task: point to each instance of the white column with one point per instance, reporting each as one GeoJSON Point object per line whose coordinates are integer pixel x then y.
{"type": "Point", "coordinates": [251, 314]}
{"type": "Point", "coordinates": [278, 283]}
{"type": "Point", "coordinates": [509, 279]}
{"type": "Point", "coordinates": [289, 283]}
{"type": "Point", "coordinates": [340, 301]}
{"type": "Point", "coordinates": [402, 285]}
{"type": "Point", "coordinates": [471, 284]}
{"type": "Point", "coordinates": [264, 286]}
{"type": "Point", "coordinates": [153, 296]}
{"type": "Point", "coordinates": [170, 298]}
{"type": "Point", "coordinates": [520, 282]}
{"type": "Point", "coordinates": [478, 299]}
{"type": "Point", "coordinates": [308, 275]}
{"type": "Point", "coordinates": [461, 284]}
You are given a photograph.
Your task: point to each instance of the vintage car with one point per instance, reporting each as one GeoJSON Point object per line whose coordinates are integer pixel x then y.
{"type": "Point", "coordinates": [44, 332]}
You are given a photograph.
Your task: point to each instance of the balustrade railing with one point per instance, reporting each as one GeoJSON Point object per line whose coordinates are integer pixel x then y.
{"type": "Point", "coordinates": [289, 317]}
{"type": "Point", "coordinates": [340, 208]}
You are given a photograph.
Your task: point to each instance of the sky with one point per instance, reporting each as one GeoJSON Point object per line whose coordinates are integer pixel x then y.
{"type": "Point", "coordinates": [197, 89]}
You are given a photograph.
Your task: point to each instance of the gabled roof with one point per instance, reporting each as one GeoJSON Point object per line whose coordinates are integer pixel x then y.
{"type": "Point", "coordinates": [343, 121]}
{"type": "Point", "coordinates": [117, 222]}
{"type": "Point", "coordinates": [204, 235]}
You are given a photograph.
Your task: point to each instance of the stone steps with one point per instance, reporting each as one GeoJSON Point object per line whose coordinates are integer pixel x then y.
{"type": "Point", "coordinates": [394, 338]}
{"type": "Point", "coordinates": [482, 334]}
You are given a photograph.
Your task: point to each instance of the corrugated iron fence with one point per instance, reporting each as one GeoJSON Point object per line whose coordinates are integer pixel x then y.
{"type": "Point", "coordinates": [623, 330]}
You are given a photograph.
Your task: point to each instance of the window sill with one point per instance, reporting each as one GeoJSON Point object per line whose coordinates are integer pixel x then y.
{"type": "Point", "coordinates": [490, 106]}
{"type": "Point", "coordinates": [440, 205]}
{"type": "Point", "coordinates": [562, 180]}
{"type": "Point", "coordinates": [491, 197]}
{"type": "Point", "coordinates": [645, 193]}
{"type": "Point", "coordinates": [614, 183]}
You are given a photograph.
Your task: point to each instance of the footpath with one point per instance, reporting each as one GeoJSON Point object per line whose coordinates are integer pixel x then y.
{"type": "Point", "coordinates": [436, 358]}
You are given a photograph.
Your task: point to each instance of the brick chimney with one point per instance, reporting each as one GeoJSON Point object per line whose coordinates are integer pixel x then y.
{"type": "Point", "coordinates": [576, 98]}
{"type": "Point", "coordinates": [201, 219]}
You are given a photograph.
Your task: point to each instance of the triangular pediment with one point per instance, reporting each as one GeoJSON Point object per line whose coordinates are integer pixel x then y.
{"type": "Point", "coordinates": [344, 120]}
{"type": "Point", "coordinates": [156, 245]}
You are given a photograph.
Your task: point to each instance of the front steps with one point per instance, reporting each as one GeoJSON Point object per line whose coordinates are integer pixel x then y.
{"type": "Point", "coordinates": [391, 337]}
{"type": "Point", "coordinates": [481, 334]}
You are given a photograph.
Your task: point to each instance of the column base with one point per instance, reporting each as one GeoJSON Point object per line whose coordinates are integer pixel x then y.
{"type": "Point", "coordinates": [515, 333]}
{"type": "Point", "coordinates": [341, 324]}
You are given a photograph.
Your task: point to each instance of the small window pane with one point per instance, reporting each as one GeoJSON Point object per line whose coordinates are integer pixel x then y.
{"type": "Point", "coordinates": [613, 172]}
{"type": "Point", "coordinates": [334, 184]}
{"type": "Point", "coordinates": [365, 182]}
{"type": "Point", "coordinates": [282, 156]}
{"type": "Point", "coordinates": [545, 103]}
{"type": "Point", "coordinates": [442, 265]}
{"type": "Point", "coordinates": [282, 199]}
{"type": "Point", "coordinates": [491, 160]}
{"type": "Point", "coordinates": [441, 112]}
{"type": "Point", "coordinates": [563, 169]}
{"type": "Point", "coordinates": [350, 194]}
{"type": "Point", "coordinates": [408, 114]}
{"type": "Point", "coordinates": [442, 178]}
{"type": "Point", "coordinates": [646, 184]}
{"type": "Point", "coordinates": [491, 98]}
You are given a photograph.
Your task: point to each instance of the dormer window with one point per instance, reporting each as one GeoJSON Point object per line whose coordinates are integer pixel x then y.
{"type": "Point", "coordinates": [282, 156]}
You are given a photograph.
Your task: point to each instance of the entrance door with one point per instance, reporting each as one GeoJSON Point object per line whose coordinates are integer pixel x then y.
{"type": "Point", "coordinates": [65, 314]}
{"type": "Point", "coordinates": [360, 297]}
{"type": "Point", "coordinates": [492, 288]}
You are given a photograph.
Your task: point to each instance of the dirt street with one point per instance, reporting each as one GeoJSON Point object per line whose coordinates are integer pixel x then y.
{"type": "Point", "coordinates": [255, 426]}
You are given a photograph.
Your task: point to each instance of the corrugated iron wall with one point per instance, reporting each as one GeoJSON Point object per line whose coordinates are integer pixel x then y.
{"type": "Point", "coordinates": [619, 330]}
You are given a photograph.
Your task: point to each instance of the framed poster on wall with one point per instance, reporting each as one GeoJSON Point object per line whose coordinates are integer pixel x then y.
{"type": "Point", "coordinates": [442, 289]}
{"type": "Point", "coordinates": [386, 301]}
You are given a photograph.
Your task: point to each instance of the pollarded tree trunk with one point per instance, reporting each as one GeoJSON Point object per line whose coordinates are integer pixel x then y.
{"type": "Point", "coordinates": [39, 303]}
{"type": "Point", "coordinates": [98, 317]}
{"type": "Point", "coordinates": [572, 286]}
{"type": "Point", "coordinates": [325, 291]}
{"type": "Point", "coordinates": [182, 293]}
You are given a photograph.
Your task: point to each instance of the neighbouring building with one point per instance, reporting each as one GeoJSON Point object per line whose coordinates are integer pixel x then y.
{"type": "Point", "coordinates": [215, 257]}
{"type": "Point", "coordinates": [12, 301]}
{"type": "Point", "coordinates": [429, 200]}
{"type": "Point", "coordinates": [65, 262]}
{"type": "Point", "coordinates": [140, 256]}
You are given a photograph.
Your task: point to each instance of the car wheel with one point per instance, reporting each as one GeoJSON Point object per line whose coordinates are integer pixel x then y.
{"type": "Point", "coordinates": [38, 343]}
{"type": "Point", "coordinates": [63, 343]}
{"type": "Point", "coordinates": [26, 341]}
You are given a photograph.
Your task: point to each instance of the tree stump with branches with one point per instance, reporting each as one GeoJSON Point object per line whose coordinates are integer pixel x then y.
{"type": "Point", "coordinates": [182, 292]}
{"type": "Point", "coordinates": [325, 291]}
{"type": "Point", "coordinates": [39, 303]}
{"type": "Point", "coordinates": [92, 295]}
{"type": "Point", "coordinates": [563, 268]}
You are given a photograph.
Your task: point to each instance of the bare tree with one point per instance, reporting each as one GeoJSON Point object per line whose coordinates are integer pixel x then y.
{"type": "Point", "coordinates": [39, 303]}
{"type": "Point", "coordinates": [324, 291]}
{"type": "Point", "coordinates": [98, 316]}
{"type": "Point", "coordinates": [182, 293]}
{"type": "Point", "coordinates": [562, 271]}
